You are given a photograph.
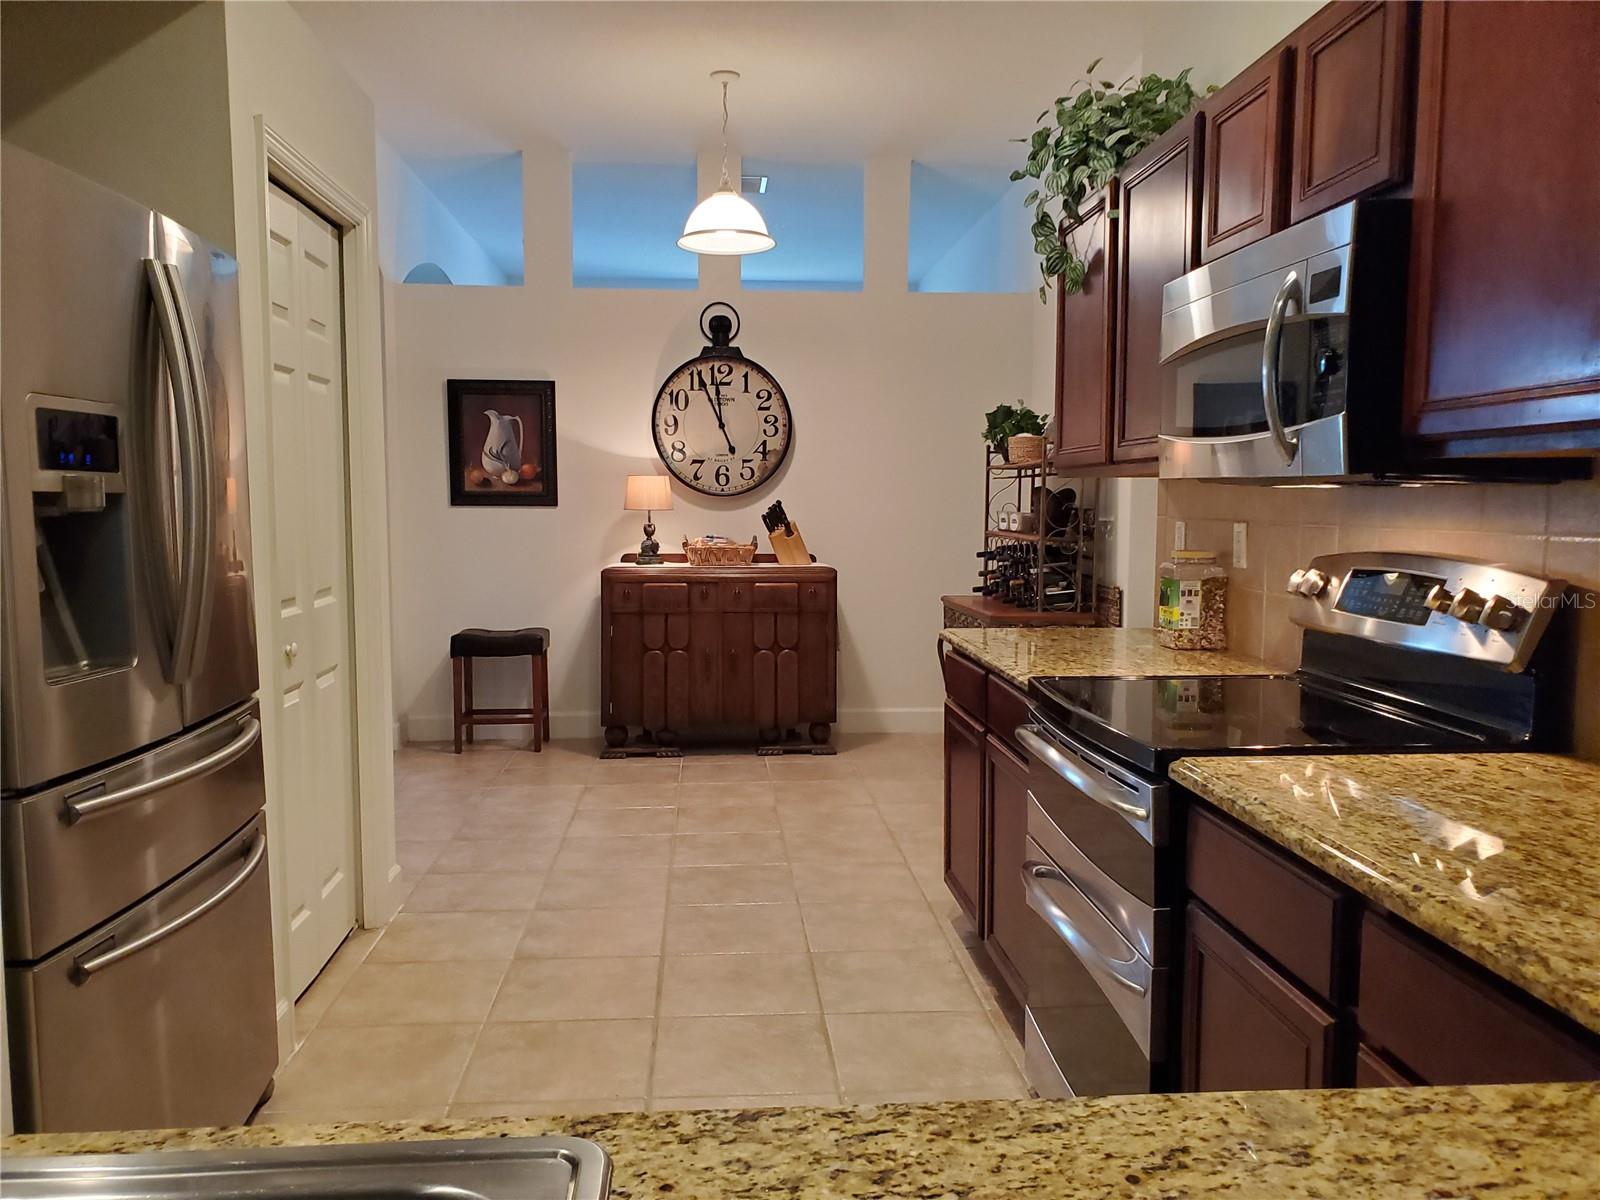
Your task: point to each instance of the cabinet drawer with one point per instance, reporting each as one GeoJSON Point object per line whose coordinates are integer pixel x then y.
{"type": "Point", "coordinates": [775, 597]}
{"type": "Point", "coordinates": [703, 597]}
{"type": "Point", "coordinates": [965, 685]}
{"type": "Point", "coordinates": [816, 596]}
{"type": "Point", "coordinates": [1374, 1070]}
{"type": "Point", "coordinates": [622, 596]}
{"type": "Point", "coordinates": [736, 595]}
{"type": "Point", "coordinates": [665, 597]}
{"type": "Point", "coordinates": [1450, 1024]}
{"type": "Point", "coordinates": [1006, 708]}
{"type": "Point", "coordinates": [1290, 914]}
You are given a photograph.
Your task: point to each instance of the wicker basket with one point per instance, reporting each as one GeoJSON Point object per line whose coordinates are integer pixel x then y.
{"type": "Point", "coordinates": [1024, 448]}
{"type": "Point", "coordinates": [719, 554]}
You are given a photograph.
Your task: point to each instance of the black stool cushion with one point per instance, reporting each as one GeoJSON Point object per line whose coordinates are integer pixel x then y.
{"type": "Point", "coordinates": [498, 643]}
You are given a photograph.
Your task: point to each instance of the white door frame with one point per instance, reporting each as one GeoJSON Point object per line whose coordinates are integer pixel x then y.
{"type": "Point", "coordinates": [377, 873]}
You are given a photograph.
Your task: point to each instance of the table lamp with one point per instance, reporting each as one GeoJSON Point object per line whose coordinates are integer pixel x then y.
{"type": "Point", "coordinates": [645, 494]}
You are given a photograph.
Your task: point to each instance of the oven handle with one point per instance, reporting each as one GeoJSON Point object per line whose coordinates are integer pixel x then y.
{"type": "Point", "coordinates": [86, 967]}
{"type": "Point", "coordinates": [1090, 785]}
{"type": "Point", "coordinates": [1271, 349]}
{"type": "Point", "coordinates": [1035, 876]}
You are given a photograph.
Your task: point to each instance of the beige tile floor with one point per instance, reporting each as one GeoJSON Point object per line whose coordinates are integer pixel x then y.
{"type": "Point", "coordinates": [587, 934]}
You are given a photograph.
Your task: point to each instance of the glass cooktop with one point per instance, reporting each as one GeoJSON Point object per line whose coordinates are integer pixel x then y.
{"type": "Point", "coordinates": [1152, 721]}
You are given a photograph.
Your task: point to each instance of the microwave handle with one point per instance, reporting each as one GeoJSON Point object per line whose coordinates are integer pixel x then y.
{"type": "Point", "coordinates": [1288, 293]}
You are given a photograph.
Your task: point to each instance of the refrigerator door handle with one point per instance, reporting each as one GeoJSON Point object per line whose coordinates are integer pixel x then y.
{"type": "Point", "coordinates": [73, 811]}
{"type": "Point", "coordinates": [89, 964]}
{"type": "Point", "coordinates": [191, 412]}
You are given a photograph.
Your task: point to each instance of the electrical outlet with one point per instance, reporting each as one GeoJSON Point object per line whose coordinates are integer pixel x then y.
{"type": "Point", "coordinates": [1177, 536]}
{"type": "Point", "coordinates": [1240, 559]}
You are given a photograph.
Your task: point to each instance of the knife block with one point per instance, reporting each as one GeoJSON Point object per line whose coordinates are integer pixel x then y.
{"type": "Point", "coordinates": [790, 547]}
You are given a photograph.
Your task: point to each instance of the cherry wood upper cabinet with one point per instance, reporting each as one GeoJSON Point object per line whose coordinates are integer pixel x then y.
{"type": "Point", "coordinates": [1505, 253]}
{"type": "Point", "coordinates": [1084, 326]}
{"type": "Point", "coordinates": [1158, 222]}
{"type": "Point", "coordinates": [1246, 122]}
{"type": "Point", "coordinates": [1352, 103]}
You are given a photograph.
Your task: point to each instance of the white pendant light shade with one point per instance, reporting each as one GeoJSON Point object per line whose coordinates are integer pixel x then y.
{"type": "Point", "coordinates": [725, 223]}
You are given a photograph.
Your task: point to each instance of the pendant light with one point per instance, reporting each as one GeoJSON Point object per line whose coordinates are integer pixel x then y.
{"type": "Point", "coordinates": [725, 222]}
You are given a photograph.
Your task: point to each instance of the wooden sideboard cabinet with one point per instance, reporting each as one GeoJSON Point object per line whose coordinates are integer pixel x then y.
{"type": "Point", "coordinates": [700, 649]}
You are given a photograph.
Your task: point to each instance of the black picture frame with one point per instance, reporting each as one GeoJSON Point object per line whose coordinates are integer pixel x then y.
{"type": "Point", "coordinates": [479, 416]}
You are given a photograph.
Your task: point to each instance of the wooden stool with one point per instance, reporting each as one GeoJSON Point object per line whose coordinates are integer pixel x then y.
{"type": "Point", "coordinates": [501, 643]}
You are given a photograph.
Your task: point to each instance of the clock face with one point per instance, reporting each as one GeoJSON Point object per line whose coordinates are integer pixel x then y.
{"type": "Point", "coordinates": [721, 425]}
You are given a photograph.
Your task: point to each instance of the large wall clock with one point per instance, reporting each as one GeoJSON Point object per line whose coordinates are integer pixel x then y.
{"type": "Point", "coordinates": [721, 422]}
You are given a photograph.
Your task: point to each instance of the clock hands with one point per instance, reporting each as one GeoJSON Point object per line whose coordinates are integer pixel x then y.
{"type": "Point", "coordinates": [716, 410]}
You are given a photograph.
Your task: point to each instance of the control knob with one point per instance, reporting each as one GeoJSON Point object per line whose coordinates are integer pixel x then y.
{"type": "Point", "coordinates": [1312, 583]}
{"type": "Point", "coordinates": [1439, 598]}
{"type": "Point", "coordinates": [1467, 606]}
{"type": "Point", "coordinates": [1500, 613]}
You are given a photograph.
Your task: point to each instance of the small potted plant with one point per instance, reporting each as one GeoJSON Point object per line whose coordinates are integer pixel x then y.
{"type": "Point", "coordinates": [1016, 432]}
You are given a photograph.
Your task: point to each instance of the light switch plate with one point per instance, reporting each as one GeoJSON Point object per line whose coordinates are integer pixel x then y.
{"type": "Point", "coordinates": [1177, 536]}
{"type": "Point", "coordinates": [1239, 544]}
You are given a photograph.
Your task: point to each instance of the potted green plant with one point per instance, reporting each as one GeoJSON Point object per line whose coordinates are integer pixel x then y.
{"type": "Point", "coordinates": [1015, 431]}
{"type": "Point", "coordinates": [1093, 130]}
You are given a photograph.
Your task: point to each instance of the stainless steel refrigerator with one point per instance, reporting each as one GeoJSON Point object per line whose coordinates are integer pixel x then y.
{"type": "Point", "coordinates": [137, 924]}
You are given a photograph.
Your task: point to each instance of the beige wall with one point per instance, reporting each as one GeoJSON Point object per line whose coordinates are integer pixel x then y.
{"type": "Point", "coordinates": [887, 387]}
{"type": "Point", "coordinates": [1553, 531]}
{"type": "Point", "coordinates": [280, 72]}
{"type": "Point", "coordinates": [134, 96]}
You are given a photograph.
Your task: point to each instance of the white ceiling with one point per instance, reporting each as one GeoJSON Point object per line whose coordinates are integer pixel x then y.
{"type": "Point", "coordinates": [942, 82]}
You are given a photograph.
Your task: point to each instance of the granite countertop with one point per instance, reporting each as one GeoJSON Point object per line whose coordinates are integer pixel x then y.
{"type": "Point", "coordinates": [1020, 654]}
{"type": "Point", "coordinates": [1493, 854]}
{"type": "Point", "coordinates": [1528, 1140]}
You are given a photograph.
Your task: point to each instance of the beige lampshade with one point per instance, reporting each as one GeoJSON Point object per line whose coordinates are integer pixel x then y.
{"type": "Point", "coordinates": [648, 492]}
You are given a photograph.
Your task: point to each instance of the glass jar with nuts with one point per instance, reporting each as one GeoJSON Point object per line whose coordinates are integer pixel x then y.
{"type": "Point", "coordinates": [1192, 611]}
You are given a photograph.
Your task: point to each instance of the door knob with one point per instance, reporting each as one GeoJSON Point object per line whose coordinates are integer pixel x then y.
{"type": "Point", "coordinates": [291, 651]}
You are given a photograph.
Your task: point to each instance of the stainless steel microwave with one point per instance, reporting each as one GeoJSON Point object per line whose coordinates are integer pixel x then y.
{"type": "Point", "coordinates": [1284, 360]}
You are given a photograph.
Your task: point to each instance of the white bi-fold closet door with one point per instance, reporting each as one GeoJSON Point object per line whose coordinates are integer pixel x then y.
{"type": "Point", "coordinates": [312, 677]}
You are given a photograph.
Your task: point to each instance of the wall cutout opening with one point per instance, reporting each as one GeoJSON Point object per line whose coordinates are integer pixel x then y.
{"type": "Point", "coordinates": [451, 220]}
{"type": "Point", "coordinates": [968, 231]}
{"type": "Point", "coordinates": [815, 212]}
{"type": "Point", "coordinates": [626, 220]}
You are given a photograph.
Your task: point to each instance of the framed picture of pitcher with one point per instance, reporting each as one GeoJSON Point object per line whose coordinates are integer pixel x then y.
{"type": "Point", "coordinates": [502, 441]}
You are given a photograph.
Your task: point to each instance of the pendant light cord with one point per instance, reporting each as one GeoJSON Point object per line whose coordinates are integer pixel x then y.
{"type": "Point", "coordinates": [727, 186]}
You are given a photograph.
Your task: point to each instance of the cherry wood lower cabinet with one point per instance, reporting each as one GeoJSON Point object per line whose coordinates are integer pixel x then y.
{"type": "Point", "coordinates": [1245, 1025]}
{"type": "Point", "coordinates": [1008, 913]}
{"type": "Point", "coordinates": [965, 811]}
{"type": "Point", "coordinates": [686, 649]}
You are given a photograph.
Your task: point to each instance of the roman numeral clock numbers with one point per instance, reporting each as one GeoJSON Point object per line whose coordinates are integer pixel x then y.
{"type": "Point", "coordinates": [721, 422]}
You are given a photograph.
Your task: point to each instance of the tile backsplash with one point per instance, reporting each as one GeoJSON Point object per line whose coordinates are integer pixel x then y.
{"type": "Point", "coordinates": [1544, 530]}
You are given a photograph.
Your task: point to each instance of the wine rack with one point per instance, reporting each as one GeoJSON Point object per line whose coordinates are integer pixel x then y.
{"type": "Point", "coordinates": [1048, 563]}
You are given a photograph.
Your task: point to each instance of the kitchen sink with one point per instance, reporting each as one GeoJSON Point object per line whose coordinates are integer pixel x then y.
{"type": "Point", "coordinates": [541, 1168]}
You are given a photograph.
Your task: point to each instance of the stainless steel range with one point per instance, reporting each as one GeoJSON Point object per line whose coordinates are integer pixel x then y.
{"type": "Point", "coordinates": [137, 930]}
{"type": "Point", "coordinates": [1401, 653]}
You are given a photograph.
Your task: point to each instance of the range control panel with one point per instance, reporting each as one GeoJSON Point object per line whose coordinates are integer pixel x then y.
{"type": "Point", "coordinates": [1448, 606]}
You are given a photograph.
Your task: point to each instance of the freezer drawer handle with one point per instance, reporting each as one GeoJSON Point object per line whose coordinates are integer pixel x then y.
{"type": "Point", "coordinates": [1095, 788]}
{"type": "Point", "coordinates": [73, 811]}
{"type": "Point", "coordinates": [1034, 877]}
{"type": "Point", "coordinates": [85, 967]}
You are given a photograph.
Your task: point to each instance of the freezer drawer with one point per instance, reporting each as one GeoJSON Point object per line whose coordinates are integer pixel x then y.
{"type": "Point", "coordinates": [162, 1017]}
{"type": "Point", "coordinates": [82, 851]}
